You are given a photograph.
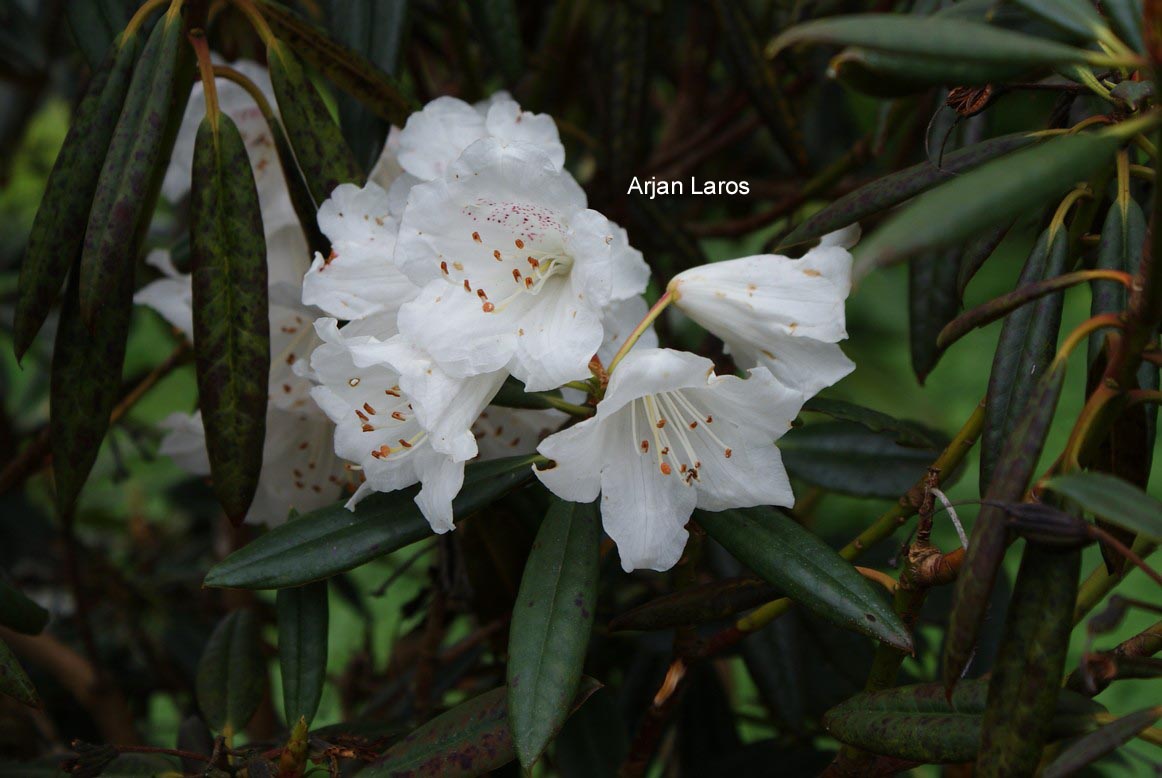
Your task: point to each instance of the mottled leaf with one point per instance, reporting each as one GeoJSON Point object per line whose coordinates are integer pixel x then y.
{"type": "Point", "coordinates": [806, 570]}
{"type": "Point", "coordinates": [333, 539]}
{"type": "Point", "coordinates": [302, 648]}
{"type": "Point", "coordinates": [1089, 748]}
{"type": "Point", "coordinates": [551, 622]}
{"type": "Point", "coordinates": [231, 674]}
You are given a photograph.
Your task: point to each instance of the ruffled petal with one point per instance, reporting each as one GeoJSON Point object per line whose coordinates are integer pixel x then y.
{"type": "Point", "coordinates": [649, 371]}
{"type": "Point", "coordinates": [556, 345]}
{"type": "Point", "coordinates": [462, 338]}
{"type": "Point", "coordinates": [578, 453]}
{"type": "Point", "coordinates": [508, 123]}
{"type": "Point", "coordinates": [435, 136]}
{"type": "Point", "coordinates": [442, 479]}
{"type": "Point", "coordinates": [802, 364]}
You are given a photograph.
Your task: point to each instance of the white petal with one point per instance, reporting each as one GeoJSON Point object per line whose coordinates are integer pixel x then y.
{"type": "Point", "coordinates": [752, 476]}
{"type": "Point", "coordinates": [173, 298]}
{"type": "Point", "coordinates": [846, 237]}
{"type": "Point", "coordinates": [644, 511]}
{"type": "Point", "coordinates": [620, 319]}
{"type": "Point", "coordinates": [354, 284]}
{"type": "Point", "coordinates": [442, 479]}
{"type": "Point", "coordinates": [631, 274]}
{"type": "Point", "coordinates": [287, 254]}
{"type": "Point", "coordinates": [507, 122]}
{"type": "Point", "coordinates": [460, 336]}
{"type": "Point", "coordinates": [387, 168]}
{"type": "Point", "coordinates": [555, 345]}
{"type": "Point", "coordinates": [803, 364]}
{"type": "Point", "coordinates": [435, 136]}
{"type": "Point", "coordinates": [359, 216]}
{"type": "Point", "coordinates": [590, 242]}
{"type": "Point", "coordinates": [650, 370]}
{"type": "Point", "coordinates": [579, 453]}
{"type": "Point", "coordinates": [185, 442]}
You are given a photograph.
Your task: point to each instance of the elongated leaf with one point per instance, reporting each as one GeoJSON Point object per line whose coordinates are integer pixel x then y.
{"type": "Point", "coordinates": [932, 303]}
{"type": "Point", "coordinates": [989, 538]}
{"type": "Point", "coordinates": [551, 623]}
{"type": "Point", "coordinates": [1077, 17]}
{"type": "Point", "coordinates": [322, 153]}
{"type": "Point", "coordinates": [231, 673]}
{"type": "Point", "coordinates": [95, 25]}
{"type": "Point", "coordinates": [497, 24]}
{"type": "Point", "coordinates": [471, 739]}
{"type": "Point", "coordinates": [302, 648]}
{"type": "Point", "coordinates": [807, 570]}
{"type": "Point", "coordinates": [1088, 749]}
{"type": "Point", "coordinates": [130, 175]}
{"type": "Point", "coordinates": [1126, 19]}
{"type": "Point", "coordinates": [936, 37]}
{"type": "Point", "coordinates": [906, 433]}
{"type": "Point", "coordinates": [14, 681]}
{"type": "Point", "coordinates": [231, 317]}
{"type": "Point", "coordinates": [333, 539]}
{"type": "Point", "coordinates": [895, 188]}
{"type": "Point", "coordinates": [346, 68]}
{"type": "Point", "coordinates": [884, 74]}
{"type": "Point", "coordinates": [1123, 234]}
{"type": "Point", "coordinates": [1025, 683]}
{"type": "Point", "coordinates": [19, 613]}
{"type": "Point", "coordinates": [85, 383]}
{"type": "Point", "coordinates": [920, 724]}
{"type": "Point", "coordinates": [1113, 499]}
{"type": "Point", "coordinates": [1027, 344]}
{"type": "Point", "coordinates": [989, 195]}
{"type": "Point", "coordinates": [977, 253]}
{"type": "Point", "coordinates": [58, 231]}
{"type": "Point", "coordinates": [758, 78]}
{"type": "Point", "coordinates": [848, 458]}
{"type": "Point", "coordinates": [697, 604]}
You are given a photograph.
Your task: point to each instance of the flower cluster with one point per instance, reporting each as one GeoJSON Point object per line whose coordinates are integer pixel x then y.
{"type": "Point", "coordinates": [471, 256]}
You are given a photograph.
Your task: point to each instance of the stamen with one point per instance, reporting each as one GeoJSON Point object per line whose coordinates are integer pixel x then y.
{"type": "Point", "coordinates": [397, 416]}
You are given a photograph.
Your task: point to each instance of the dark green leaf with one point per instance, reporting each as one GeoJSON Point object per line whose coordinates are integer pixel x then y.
{"type": "Point", "coordinates": [884, 74]}
{"type": "Point", "coordinates": [1027, 344]}
{"type": "Point", "coordinates": [471, 739]}
{"type": "Point", "coordinates": [19, 613]}
{"type": "Point", "coordinates": [231, 674]}
{"type": "Point", "coordinates": [977, 252]}
{"type": "Point", "coordinates": [989, 195]}
{"type": "Point", "coordinates": [302, 648]}
{"type": "Point", "coordinates": [697, 605]}
{"type": "Point", "coordinates": [95, 24]}
{"type": "Point", "coordinates": [132, 170]}
{"type": "Point", "coordinates": [13, 680]}
{"type": "Point", "coordinates": [935, 37]}
{"type": "Point", "coordinates": [847, 457]}
{"type": "Point", "coordinates": [1122, 236]}
{"type": "Point", "coordinates": [333, 539]}
{"type": "Point", "coordinates": [323, 155]}
{"type": "Point", "coordinates": [989, 538]}
{"type": "Point", "coordinates": [551, 622]}
{"type": "Point", "coordinates": [1026, 679]}
{"type": "Point", "coordinates": [932, 303]}
{"type": "Point", "coordinates": [349, 70]}
{"type": "Point", "coordinates": [895, 188]}
{"type": "Point", "coordinates": [906, 433]}
{"type": "Point", "coordinates": [1126, 19]}
{"type": "Point", "coordinates": [1113, 499]}
{"type": "Point", "coordinates": [1077, 17]}
{"type": "Point", "coordinates": [497, 24]}
{"type": "Point", "coordinates": [919, 723]}
{"type": "Point", "coordinates": [758, 78]}
{"type": "Point", "coordinates": [231, 317]}
{"type": "Point", "coordinates": [1088, 749]}
{"type": "Point", "coordinates": [58, 232]}
{"type": "Point", "coordinates": [807, 570]}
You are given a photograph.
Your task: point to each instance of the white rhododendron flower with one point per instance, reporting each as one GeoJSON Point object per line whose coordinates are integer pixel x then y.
{"type": "Point", "coordinates": [515, 270]}
{"type": "Point", "coordinates": [377, 427]}
{"type": "Point", "coordinates": [668, 437]}
{"type": "Point", "coordinates": [784, 314]}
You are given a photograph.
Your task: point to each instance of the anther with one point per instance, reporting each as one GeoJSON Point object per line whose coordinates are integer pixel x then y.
{"type": "Point", "coordinates": [397, 416]}
{"type": "Point", "coordinates": [520, 244]}
{"type": "Point", "coordinates": [661, 423]}
{"type": "Point", "coordinates": [367, 407]}
{"type": "Point", "coordinates": [665, 468]}
{"type": "Point", "coordinates": [476, 236]}
{"type": "Point", "coordinates": [496, 255]}
{"type": "Point", "coordinates": [645, 446]}
{"type": "Point", "coordinates": [516, 275]}
{"type": "Point", "coordinates": [488, 307]}
{"type": "Point", "coordinates": [467, 286]}
{"type": "Point", "coordinates": [728, 452]}
{"type": "Point", "coordinates": [444, 268]}
{"type": "Point", "coordinates": [404, 443]}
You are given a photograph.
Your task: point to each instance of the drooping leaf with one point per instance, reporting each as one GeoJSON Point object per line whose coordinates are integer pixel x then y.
{"type": "Point", "coordinates": [758, 78]}
{"type": "Point", "coordinates": [932, 303]}
{"type": "Point", "coordinates": [302, 648]}
{"type": "Point", "coordinates": [132, 169]}
{"type": "Point", "coordinates": [1112, 499]}
{"type": "Point", "coordinates": [333, 539]}
{"type": "Point", "coordinates": [806, 570]}
{"type": "Point", "coordinates": [846, 457]}
{"type": "Point", "coordinates": [1027, 344]}
{"type": "Point", "coordinates": [1026, 679]}
{"type": "Point", "coordinates": [886, 74]}
{"type": "Point", "coordinates": [989, 538]}
{"type": "Point", "coordinates": [498, 25]}
{"type": "Point", "coordinates": [14, 681]}
{"type": "Point", "coordinates": [551, 623]}
{"type": "Point", "coordinates": [936, 37]}
{"type": "Point", "coordinates": [231, 317]}
{"type": "Point", "coordinates": [921, 724]}
{"type": "Point", "coordinates": [323, 155]}
{"type": "Point", "coordinates": [58, 232]}
{"type": "Point", "coordinates": [95, 25]}
{"type": "Point", "coordinates": [231, 673]}
{"type": "Point", "coordinates": [1077, 17]}
{"type": "Point", "coordinates": [987, 196]}
{"type": "Point", "coordinates": [1126, 19]}
{"type": "Point", "coordinates": [352, 72]}
{"type": "Point", "coordinates": [904, 432]}
{"type": "Point", "coordinates": [1089, 748]}
{"type": "Point", "coordinates": [471, 739]}
{"type": "Point", "coordinates": [697, 604]}
{"type": "Point", "coordinates": [19, 613]}
{"type": "Point", "coordinates": [894, 188]}
{"type": "Point", "coordinates": [1123, 234]}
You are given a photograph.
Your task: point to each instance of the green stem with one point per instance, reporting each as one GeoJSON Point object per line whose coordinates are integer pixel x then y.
{"type": "Point", "coordinates": [640, 329]}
